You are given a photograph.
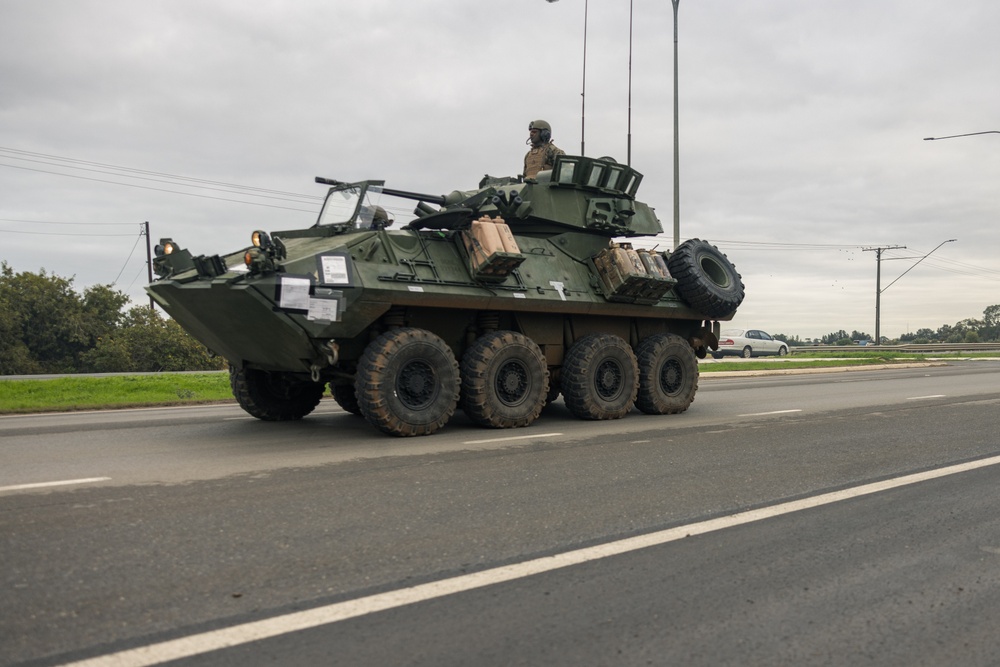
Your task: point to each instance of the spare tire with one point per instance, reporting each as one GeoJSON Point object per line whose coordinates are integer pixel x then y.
{"type": "Point", "coordinates": [706, 279]}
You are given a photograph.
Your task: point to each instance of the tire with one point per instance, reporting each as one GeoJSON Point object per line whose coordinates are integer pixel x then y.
{"type": "Point", "coordinates": [706, 279]}
{"type": "Point", "coordinates": [274, 396]}
{"type": "Point", "coordinates": [716, 355]}
{"type": "Point", "coordinates": [782, 351]}
{"type": "Point", "coordinates": [345, 397]}
{"type": "Point", "coordinates": [747, 352]}
{"type": "Point", "coordinates": [407, 382]}
{"type": "Point", "coordinates": [668, 375]}
{"type": "Point", "coordinates": [600, 377]}
{"type": "Point", "coordinates": [504, 380]}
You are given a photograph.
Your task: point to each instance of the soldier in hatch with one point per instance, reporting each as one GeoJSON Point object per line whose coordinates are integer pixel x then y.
{"type": "Point", "coordinates": [542, 155]}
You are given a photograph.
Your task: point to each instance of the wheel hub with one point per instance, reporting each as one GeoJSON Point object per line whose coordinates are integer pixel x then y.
{"type": "Point", "coordinates": [608, 379]}
{"type": "Point", "coordinates": [415, 385]}
{"type": "Point", "coordinates": [671, 376]}
{"type": "Point", "coordinates": [512, 383]}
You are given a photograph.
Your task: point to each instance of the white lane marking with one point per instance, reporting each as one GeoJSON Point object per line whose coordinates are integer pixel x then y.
{"type": "Point", "coordinates": [185, 647]}
{"type": "Point", "coordinates": [773, 412]}
{"type": "Point", "coordinates": [65, 482]}
{"type": "Point", "coordinates": [511, 438]}
{"type": "Point", "coordinates": [920, 398]}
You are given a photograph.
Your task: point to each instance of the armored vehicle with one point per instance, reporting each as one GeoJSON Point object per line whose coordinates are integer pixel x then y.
{"type": "Point", "coordinates": [493, 300]}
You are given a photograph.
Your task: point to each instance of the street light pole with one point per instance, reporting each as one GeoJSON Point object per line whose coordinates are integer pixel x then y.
{"type": "Point", "coordinates": [878, 286]}
{"type": "Point", "coordinates": [628, 141]}
{"type": "Point", "coordinates": [583, 93]}
{"type": "Point", "coordinates": [969, 134]}
{"type": "Point", "coordinates": [677, 150]}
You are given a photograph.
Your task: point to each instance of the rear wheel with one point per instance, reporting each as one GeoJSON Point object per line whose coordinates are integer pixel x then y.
{"type": "Point", "coordinates": [600, 377]}
{"type": "Point", "coordinates": [407, 382]}
{"type": "Point", "coordinates": [274, 396]}
{"type": "Point", "coordinates": [747, 352]}
{"type": "Point", "coordinates": [504, 380]}
{"type": "Point", "coordinates": [345, 397]}
{"type": "Point", "coordinates": [668, 375]}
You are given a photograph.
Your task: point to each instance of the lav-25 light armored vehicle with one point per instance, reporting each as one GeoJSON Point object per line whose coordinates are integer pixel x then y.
{"type": "Point", "coordinates": [494, 300]}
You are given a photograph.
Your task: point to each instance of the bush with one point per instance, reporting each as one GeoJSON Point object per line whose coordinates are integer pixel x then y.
{"type": "Point", "coordinates": [47, 327]}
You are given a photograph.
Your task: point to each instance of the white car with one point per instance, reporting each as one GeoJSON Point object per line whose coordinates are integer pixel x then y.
{"type": "Point", "coordinates": [748, 343]}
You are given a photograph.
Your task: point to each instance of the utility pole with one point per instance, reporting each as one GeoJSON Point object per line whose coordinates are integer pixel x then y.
{"type": "Point", "coordinates": [878, 286]}
{"type": "Point", "coordinates": [878, 278]}
{"type": "Point", "coordinates": [149, 261]}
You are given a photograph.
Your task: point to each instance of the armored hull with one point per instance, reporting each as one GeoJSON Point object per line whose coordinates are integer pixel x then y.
{"type": "Point", "coordinates": [496, 300]}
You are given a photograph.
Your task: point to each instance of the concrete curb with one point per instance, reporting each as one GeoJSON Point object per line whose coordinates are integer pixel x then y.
{"type": "Point", "coordinates": [812, 371]}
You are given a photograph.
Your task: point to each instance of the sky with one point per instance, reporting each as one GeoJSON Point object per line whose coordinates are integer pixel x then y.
{"type": "Point", "coordinates": [802, 128]}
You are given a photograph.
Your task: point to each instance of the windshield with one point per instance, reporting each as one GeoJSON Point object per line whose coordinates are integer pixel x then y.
{"type": "Point", "coordinates": [340, 206]}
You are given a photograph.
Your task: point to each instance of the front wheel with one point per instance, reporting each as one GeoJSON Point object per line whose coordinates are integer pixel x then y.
{"type": "Point", "coordinates": [668, 375]}
{"type": "Point", "coordinates": [600, 377]}
{"type": "Point", "coordinates": [782, 351]}
{"type": "Point", "coordinates": [504, 380]}
{"type": "Point", "coordinates": [274, 396]}
{"type": "Point", "coordinates": [407, 382]}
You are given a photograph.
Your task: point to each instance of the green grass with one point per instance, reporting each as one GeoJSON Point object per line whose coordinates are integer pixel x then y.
{"type": "Point", "coordinates": [127, 391]}
{"type": "Point", "coordinates": [120, 391]}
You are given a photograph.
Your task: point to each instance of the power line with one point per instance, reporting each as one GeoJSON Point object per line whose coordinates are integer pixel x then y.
{"type": "Point", "coordinates": [71, 163]}
{"type": "Point", "coordinates": [146, 187]}
{"type": "Point", "coordinates": [131, 252]}
{"type": "Point", "coordinates": [22, 231]}
{"type": "Point", "coordinates": [53, 222]}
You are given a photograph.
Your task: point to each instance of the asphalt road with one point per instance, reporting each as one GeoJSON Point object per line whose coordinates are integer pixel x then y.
{"type": "Point", "coordinates": [846, 518]}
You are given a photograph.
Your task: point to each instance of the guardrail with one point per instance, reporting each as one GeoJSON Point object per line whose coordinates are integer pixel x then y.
{"type": "Point", "coordinates": [908, 347]}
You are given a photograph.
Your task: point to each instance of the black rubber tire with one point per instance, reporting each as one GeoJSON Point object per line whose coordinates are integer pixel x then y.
{"type": "Point", "coordinates": [407, 382]}
{"type": "Point", "coordinates": [706, 279]}
{"type": "Point", "coordinates": [782, 351]}
{"type": "Point", "coordinates": [747, 352]}
{"type": "Point", "coordinates": [274, 396]}
{"type": "Point", "coordinates": [504, 380]}
{"type": "Point", "coordinates": [600, 377]}
{"type": "Point", "coordinates": [668, 375]}
{"type": "Point", "coordinates": [346, 397]}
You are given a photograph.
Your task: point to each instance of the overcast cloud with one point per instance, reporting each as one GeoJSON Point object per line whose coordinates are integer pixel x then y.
{"type": "Point", "coordinates": [801, 130]}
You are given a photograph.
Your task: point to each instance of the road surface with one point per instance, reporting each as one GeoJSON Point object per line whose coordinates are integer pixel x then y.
{"type": "Point", "coordinates": [846, 518]}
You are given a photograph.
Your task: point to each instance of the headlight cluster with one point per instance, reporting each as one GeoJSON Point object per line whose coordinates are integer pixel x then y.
{"type": "Point", "coordinates": [264, 254]}
{"type": "Point", "coordinates": [171, 259]}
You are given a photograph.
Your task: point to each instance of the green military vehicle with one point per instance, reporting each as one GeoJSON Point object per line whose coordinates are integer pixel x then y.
{"type": "Point", "coordinates": [494, 300]}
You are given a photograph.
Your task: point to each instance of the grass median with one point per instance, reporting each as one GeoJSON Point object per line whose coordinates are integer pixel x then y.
{"type": "Point", "coordinates": [118, 391]}
{"type": "Point", "coordinates": [131, 391]}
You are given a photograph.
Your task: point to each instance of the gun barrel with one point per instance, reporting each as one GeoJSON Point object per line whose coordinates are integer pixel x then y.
{"type": "Point", "coordinates": [434, 199]}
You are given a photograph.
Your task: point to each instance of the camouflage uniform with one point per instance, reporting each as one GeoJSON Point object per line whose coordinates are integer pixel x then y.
{"type": "Point", "coordinates": [541, 158]}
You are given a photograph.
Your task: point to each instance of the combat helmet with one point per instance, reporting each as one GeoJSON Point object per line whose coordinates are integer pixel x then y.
{"type": "Point", "coordinates": [544, 130]}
